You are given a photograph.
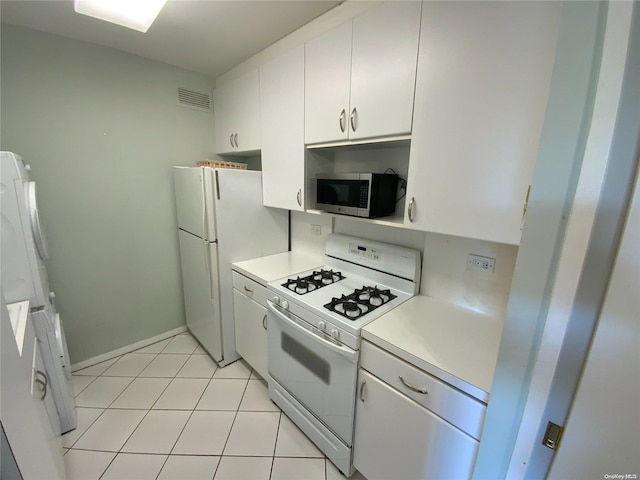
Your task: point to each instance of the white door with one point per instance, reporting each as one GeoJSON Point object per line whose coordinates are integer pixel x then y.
{"type": "Point", "coordinates": [247, 106]}
{"type": "Point", "coordinates": [194, 190]}
{"type": "Point", "coordinates": [383, 70]}
{"type": "Point", "coordinates": [224, 117]}
{"type": "Point", "coordinates": [246, 229]}
{"type": "Point", "coordinates": [237, 114]}
{"type": "Point", "coordinates": [327, 83]}
{"type": "Point", "coordinates": [282, 112]}
{"type": "Point", "coordinates": [251, 332]}
{"type": "Point", "coordinates": [603, 428]}
{"type": "Point", "coordinates": [24, 417]}
{"type": "Point", "coordinates": [484, 73]}
{"type": "Point", "coordinates": [199, 261]}
{"type": "Point", "coordinates": [397, 438]}
{"type": "Point", "coordinates": [319, 372]}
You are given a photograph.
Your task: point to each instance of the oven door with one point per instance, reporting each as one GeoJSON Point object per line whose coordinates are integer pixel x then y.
{"type": "Point", "coordinates": [315, 369]}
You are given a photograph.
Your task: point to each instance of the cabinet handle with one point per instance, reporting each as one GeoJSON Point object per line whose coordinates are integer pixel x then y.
{"type": "Point", "coordinates": [353, 119]}
{"type": "Point", "coordinates": [231, 139]}
{"type": "Point", "coordinates": [361, 394]}
{"type": "Point", "coordinates": [411, 387]}
{"type": "Point", "coordinates": [247, 289]}
{"type": "Point", "coordinates": [342, 117]}
{"type": "Point", "coordinates": [43, 384]}
{"type": "Point", "coordinates": [235, 139]}
{"type": "Point", "coordinates": [410, 210]}
{"type": "Point", "coordinates": [299, 197]}
{"type": "Point", "coordinates": [524, 207]}
{"type": "Point", "coordinates": [264, 322]}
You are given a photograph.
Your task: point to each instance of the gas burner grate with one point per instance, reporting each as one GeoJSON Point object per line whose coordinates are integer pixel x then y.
{"type": "Point", "coordinates": [360, 302]}
{"type": "Point", "coordinates": [317, 279]}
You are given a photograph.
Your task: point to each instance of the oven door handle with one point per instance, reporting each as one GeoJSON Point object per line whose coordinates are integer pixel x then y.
{"type": "Point", "coordinates": [351, 355]}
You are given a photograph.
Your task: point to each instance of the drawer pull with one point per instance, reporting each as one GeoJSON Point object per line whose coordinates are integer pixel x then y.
{"type": "Point", "coordinates": [411, 387]}
{"type": "Point", "coordinates": [247, 289]}
{"type": "Point", "coordinates": [361, 394]}
{"type": "Point", "coordinates": [264, 322]}
{"type": "Point", "coordinates": [43, 383]}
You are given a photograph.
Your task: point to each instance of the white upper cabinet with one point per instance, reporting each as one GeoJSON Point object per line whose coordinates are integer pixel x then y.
{"type": "Point", "coordinates": [236, 107]}
{"type": "Point", "coordinates": [484, 73]}
{"type": "Point", "coordinates": [360, 76]}
{"type": "Point", "coordinates": [327, 76]}
{"type": "Point", "coordinates": [282, 118]}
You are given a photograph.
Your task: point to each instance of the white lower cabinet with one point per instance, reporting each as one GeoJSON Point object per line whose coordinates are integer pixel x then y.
{"type": "Point", "coordinates": [405, 438]}
{"type": "Point", "coordinates": [251, 322]}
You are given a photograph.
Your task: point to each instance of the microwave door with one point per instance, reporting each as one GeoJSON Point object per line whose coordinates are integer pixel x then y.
{"type": "Point", "coordinates": [342, 195]}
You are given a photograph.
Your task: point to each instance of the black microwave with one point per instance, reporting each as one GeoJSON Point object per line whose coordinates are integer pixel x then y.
{"type": "Point", "coordinates": [368, 195]}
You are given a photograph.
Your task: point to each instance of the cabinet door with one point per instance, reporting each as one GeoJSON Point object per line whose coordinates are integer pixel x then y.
{"type": "Point", "coordinates": [251, 333]}
{"type": "Point", "coordinates": [327, 84]}
{"type": "Point", "coordinates": [224, 117]}
{"type": "Point", "coordinates": [282, 113]}
{"type": "Point", "coordinates": [383, 70]}
{"type": "Point", "coordinates": [484, 72]}
{"type": "Point", "coordinates": [247, 111]}
{"type": "Point", "coordinates": [236, 107]}
{"type": "Point", "coordinates": [397, 438]}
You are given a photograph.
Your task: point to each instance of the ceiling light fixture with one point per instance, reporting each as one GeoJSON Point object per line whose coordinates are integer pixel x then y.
{"type": "Point", "coordinates": [135, 14]}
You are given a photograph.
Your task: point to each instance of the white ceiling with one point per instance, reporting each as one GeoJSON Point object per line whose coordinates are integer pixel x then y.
{"type": "Point", "coordinates": [206, 36]}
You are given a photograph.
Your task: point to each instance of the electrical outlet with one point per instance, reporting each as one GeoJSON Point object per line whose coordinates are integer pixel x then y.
{"type": "Point", "coordinates": [477, 262]}
{"type": "Point", "coordinates": [316, 229]}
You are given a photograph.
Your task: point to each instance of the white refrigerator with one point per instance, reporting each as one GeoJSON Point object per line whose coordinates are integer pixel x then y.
{"type": "Point", "coordinates": [221, 220]}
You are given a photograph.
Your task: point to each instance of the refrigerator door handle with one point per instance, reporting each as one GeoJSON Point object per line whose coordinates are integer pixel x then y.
{"type": "Point", "coordinates": [204, 204]}
{"type": "Point", "coordinates": [217, 185]}
{"type": "Point", "coordinates": [205, 242]}
{"type": "Point", "coordinates": [207, 260]}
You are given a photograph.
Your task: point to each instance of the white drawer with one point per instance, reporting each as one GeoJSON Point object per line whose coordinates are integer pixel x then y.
{"type": "Point", "coordinates": [453, 405]}
{"type": "Point", "coordinates": [250, 288]}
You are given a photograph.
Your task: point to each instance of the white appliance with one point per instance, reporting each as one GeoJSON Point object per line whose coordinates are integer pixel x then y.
{"type": "Point", "coordinates": [221, 220]}
{"type": "Point", "coordinates": [24, 278]}
{"type": "Point", "coordinates": [314, 322]}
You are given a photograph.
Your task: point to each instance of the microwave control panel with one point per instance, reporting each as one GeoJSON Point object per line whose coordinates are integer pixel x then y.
{"type": "Point", "coordinates": [365, 252]}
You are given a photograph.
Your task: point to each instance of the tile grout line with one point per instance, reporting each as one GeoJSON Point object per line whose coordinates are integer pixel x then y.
{"type": "Point", "coordinates": [231, 428]}
{"type": "Point", "coordinates": [190, 415]}
{"type": "Point", "coordinates": [275, 446]}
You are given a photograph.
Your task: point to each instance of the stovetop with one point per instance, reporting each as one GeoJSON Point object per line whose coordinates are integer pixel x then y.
{"type": "Point", "coordinates": [313, 281]}
{"type": "Point", "coordinates": [343, 297]}
{"type": "Point", "coordinates": [361, 302]}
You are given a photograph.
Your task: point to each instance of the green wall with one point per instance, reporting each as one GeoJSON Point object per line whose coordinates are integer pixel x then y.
{"type": "Point", "coordinates": [101, 130]}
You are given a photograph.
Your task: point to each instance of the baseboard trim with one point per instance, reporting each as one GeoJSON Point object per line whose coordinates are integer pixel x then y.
{"type": "Point", "coordinates": [128, 349]}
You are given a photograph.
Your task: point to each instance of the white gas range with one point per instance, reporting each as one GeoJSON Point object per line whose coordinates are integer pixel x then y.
{"type": "Point", "coordinates": [314, 324]}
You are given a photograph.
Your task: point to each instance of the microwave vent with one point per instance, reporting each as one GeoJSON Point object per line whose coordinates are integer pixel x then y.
{"type": "Point", "coordinates": [194, 99]}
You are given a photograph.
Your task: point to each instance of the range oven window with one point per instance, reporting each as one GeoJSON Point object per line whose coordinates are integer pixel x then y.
{"type": "Point", "coordinates": [346, 193]}
{"type": "Point", "coordinates": [305, 357]}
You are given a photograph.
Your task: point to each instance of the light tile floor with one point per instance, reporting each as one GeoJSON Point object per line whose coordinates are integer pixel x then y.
{"type": "Point", "coordinates": [167, 412]}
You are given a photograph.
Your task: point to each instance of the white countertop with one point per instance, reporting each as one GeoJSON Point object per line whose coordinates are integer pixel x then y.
{"type": "Point", "coordinates": [273, 267]}
{"type": "Point", "coordinates": [456, 345]}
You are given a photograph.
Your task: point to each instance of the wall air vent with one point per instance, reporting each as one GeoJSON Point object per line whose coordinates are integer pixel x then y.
{"type": "Point", "coordinates": [193, 99]}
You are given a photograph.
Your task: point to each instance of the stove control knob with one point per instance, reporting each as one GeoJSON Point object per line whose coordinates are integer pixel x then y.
{"type": "Point", "coordinates": [285, 304]}
{"type": "Point", "coordinates": [321, 325]}
{"type": "Point", "coordinates": [335, 333]}
{"type": "Point", "coordinates": [276, 300]}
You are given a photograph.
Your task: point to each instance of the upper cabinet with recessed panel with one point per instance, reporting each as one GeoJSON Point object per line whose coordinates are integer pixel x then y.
{"type": "Point", "coordinates": [360, 76]}
{"type": "Point", "coordinates": [236, 108]}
